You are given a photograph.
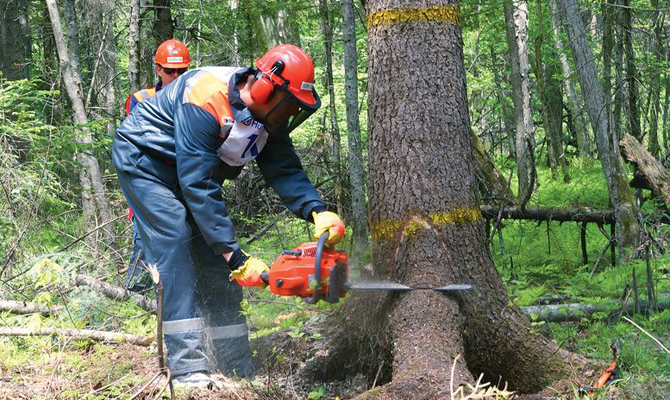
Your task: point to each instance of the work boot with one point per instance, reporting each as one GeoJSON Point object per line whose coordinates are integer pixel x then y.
{"type": "Point", "coordinates": [194, 380]}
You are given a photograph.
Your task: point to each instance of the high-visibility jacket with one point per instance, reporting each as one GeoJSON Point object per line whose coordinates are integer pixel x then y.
{"type": "Point", "coordinates": [200, 124]}
{"type": "Point", "coordinates": [141, 95]}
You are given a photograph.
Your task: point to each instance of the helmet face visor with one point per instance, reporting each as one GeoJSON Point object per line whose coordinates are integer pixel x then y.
{"type": "Point", "coordinates": [289, 113]}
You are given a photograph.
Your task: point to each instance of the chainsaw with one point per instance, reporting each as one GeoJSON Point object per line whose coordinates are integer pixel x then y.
{"type": "Point", "coordinates": [316, 272]}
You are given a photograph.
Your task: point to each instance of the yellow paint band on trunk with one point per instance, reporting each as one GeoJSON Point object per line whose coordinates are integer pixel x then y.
{"type": "Point", "coordinates": [387, 229]}
{"type": "Point", "coordinates": [449, 13]}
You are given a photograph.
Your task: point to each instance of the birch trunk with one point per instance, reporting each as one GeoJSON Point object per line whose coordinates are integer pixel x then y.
{"type": "Point", "coordinates": [583, 143]}
{"type": "Point", "coordinates": [516, 20]}
{"type": "Point", "coordinates": [608, 146]}
{"type": "Point", "coordinates": [359, 222]}
{"type": "Point", "coordinates": [93, 193]}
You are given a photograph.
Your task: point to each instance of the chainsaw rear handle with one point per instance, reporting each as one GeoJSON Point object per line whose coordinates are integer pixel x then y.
{"type": "Point", "coordinates": [265, 276]}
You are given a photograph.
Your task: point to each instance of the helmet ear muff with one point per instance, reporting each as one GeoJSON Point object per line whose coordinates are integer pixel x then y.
{"type": "Point", "coordinates": [261, 90]}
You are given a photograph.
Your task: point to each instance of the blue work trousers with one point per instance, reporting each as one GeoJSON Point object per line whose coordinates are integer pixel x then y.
{"type": "Point", "coordinates": [201, 307]}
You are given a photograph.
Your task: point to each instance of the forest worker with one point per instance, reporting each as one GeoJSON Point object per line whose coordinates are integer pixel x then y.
{"type": "Point", "coordinates": [172, 154]}
{"type": "Point", "coordinates": [172, 60]}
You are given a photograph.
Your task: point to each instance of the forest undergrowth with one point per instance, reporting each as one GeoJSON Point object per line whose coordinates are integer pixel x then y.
{"type": "Point", "coordinates": [541, 263]}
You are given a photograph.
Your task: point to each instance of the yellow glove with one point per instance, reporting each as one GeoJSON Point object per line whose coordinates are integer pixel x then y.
{"type": "Point", "coordinates": [331, 222]}
{"type": "Point", "coordinates": [249, 274]}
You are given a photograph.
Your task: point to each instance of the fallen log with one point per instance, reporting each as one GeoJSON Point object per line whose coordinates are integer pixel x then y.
{"type": "Point", "coordinates": [98, 336]}
{"type": "Point", "coordinates": [116, 292]}
{"type": "Point", "coordinates": [649, 172]}
{"type": "Point", "coordinates": [561, 214]}
{"type": "Point", "coordinates": [20, 307]}
{"type": "Point", "coordinates": [575, 312]}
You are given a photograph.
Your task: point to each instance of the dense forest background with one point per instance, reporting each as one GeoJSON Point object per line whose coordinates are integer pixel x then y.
{"type": "Point", "coordinates": [569, 106]}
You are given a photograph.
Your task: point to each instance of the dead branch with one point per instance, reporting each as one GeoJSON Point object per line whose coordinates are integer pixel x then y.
{"type": "Point", "coordinates": [577, 311]}
{"type": "Point", "coordinates": [649, 172]}
{"type": "Point", "coordinates": [562, 214]}
{"type": "Point", "coordinates": [20, 307]}
{"type": "Point", "coordinates": [116, 292]}
{"type": "Point", "coordinates": [99, 336]}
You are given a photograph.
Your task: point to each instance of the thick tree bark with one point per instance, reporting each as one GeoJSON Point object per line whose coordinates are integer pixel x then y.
{"type": "Point", "coordinates": [427, 228]}
{"type": "Point", "coordinates": [163, 27]}
{"type": "Point", "coordinates": [334, 128]}
{"type": "Point", "coordinates": [134, 46]}
{"type": "Point", "coordinates": [93, 193]}
{"type": "Point", "coordinates": [14, 39]}
{"type": "Point", "coordinates": [359, 221]}
{"type": "Point", "coordinates": [608, 147]}
{"type": "Point", "coordinates": [516, 21]}
{"type": "Point", "coordinates": [583, 144]}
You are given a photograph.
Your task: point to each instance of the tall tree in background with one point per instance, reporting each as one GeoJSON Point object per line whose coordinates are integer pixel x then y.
{"type": "Point", "coordinates": [516, 20]}
{"type": "Point", "coordinates": [359, 221]}
{"type": "Point", "coordinates": [632, 106]}
{"type": "Point", "coordinates": [655, 81]}
{"type": "Point", "coordinates": [574, 104]}
{"type": "Point", "coordinates": [327, 32]}
{"type": "Point", "coordinates": [14, 39]}
{"type": "Point", "coordinates": [93, 192]}
{"type": "Point", "coordinates": [134, 46]}
{"type": "Point", "coordinates": [551, 99]}
{"type": "Point", "coordinates": [426, 226]}
{"type": "Point", "coordinates": [163, 26]}
{"type": "Point", "coordinates": [608, 145]}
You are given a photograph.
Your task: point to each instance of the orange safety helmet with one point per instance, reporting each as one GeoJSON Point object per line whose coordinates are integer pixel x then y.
{"type": "Point", "coordinates": [172, 54]}
{"type": "Point", "coordinates": [288, 66]}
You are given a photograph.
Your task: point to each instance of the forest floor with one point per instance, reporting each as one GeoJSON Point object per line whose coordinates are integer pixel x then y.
{"type": "Point", "coordinates": [535, 262]}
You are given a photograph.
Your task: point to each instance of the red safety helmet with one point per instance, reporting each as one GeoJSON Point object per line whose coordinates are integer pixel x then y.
{"type": "Point", "coordinates": [172, 54]}
{"type": "Point", "coordinates": [288, 66]}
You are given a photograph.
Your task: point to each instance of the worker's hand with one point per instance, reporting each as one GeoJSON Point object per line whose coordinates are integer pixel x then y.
{"type": "Point", "coordinates": [246, 269]}
{"type": "Point", "coordinates": [331, 222]}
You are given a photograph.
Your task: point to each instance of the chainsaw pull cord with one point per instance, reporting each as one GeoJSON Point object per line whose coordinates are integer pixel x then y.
{"type": "Point", "coordinates": [317, 269]}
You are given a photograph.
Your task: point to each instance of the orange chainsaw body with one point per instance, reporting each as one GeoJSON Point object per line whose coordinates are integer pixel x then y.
{"type": "Point", "coordinates": [293, 272]}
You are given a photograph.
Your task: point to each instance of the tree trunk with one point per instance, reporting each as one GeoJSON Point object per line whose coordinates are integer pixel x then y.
{"type": "Point", "coordinates": [508, 118]}
{"type": "Point", "coordinates": [608, 147]}
{"type": "Point", "coordinates": [608, 42]}
{"type": "Point", "coordinates": [14, 39]}
{"type": "Point", "coordinates": [516, 20]}
{"type": "Point", "coordinates": [359, 221]}
{"type": "Point", "coordinates": [427, 228]}
{"type": "Point", "coordinates": [631, 72]}
{"type": "Point", "coordinates": [619, 96]}
{"type": "Point", "coordinates": [491, 183]}
{"type": "Point", "coordinates": [234, 51]}
{"type": "Point", "coordinates": [334, 128]}
{"type": "Point", "coordinates": [655, 87]}
{"type": "Point", "coordinates": [552, 103]}
{"type": "Point", "coordinates": [260, 32]}
{"type": "Point", "coordinates": [583, 145]}
{"type": "Point", "coordinates": [134, 47]}
{"type": "Point", "coordinates": [90, 175]}
{"type": "Point", "coordinates": [163, 27]}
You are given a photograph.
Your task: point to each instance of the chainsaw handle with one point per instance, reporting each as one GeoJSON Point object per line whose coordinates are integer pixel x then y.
{"type": "Point", "coordinates": [265, 277]}
{"type": "Point", "coordinates": [317, 269]}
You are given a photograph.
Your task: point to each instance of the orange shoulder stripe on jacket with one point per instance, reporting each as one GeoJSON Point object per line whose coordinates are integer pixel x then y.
{"type": "Point", "coordinates": [210, 93]}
